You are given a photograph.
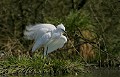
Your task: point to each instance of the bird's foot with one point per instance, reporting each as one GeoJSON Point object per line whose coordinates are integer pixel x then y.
{"type": "Point", "coordinates": [31, 54]}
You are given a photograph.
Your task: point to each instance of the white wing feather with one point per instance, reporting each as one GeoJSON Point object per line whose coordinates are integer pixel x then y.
{"type": "Point", "coordinates": [55, 44]}
{"type": "Point", "coordinates": [41, 41]}
{"type": "Point", "coordinates": [33, 32]}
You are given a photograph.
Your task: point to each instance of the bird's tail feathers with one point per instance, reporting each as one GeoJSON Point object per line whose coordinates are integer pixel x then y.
{"type": "Point", "coordinates": [28, 35]}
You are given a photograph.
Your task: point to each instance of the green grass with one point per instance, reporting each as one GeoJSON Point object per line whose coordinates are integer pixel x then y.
{"type": "Point", "coordinates": [36, 65]}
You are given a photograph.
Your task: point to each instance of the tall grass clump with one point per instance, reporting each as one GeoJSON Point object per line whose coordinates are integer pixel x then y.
{"type": "Point", "coordinates": [92, 32]}
{"type": "Point", "coordinates": [24, 65]}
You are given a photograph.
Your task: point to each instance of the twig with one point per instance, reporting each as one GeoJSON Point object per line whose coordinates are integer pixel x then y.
{"type": "Point", "coordinates": [76, 50]}
{"type": "Point", "coordinates": [103, 36]}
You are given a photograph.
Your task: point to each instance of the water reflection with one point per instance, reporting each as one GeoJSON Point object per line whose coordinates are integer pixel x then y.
{"type": "Point", "coordinates": [104, 72]}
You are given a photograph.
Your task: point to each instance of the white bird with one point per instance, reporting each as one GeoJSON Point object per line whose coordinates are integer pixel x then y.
{"type": "Point", "coordinates": [47, 36]}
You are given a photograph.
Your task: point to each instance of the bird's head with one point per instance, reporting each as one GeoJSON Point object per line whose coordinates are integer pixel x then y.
{"type": "Point", "coordinates": [61, 28]}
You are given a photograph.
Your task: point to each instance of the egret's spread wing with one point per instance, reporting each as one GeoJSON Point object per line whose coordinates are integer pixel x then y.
{"type": "Point", "coordinates": [39, 26]}
{"type": "Point", "coordinates": [58, 43]}
{"type": "Point", "coordinates": [33, 32]}
{"type": "Point", "coordinates": [41, 41]}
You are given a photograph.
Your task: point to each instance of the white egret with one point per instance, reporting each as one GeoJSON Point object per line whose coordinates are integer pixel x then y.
{"type": "Point", "coordinates": [47, 36]}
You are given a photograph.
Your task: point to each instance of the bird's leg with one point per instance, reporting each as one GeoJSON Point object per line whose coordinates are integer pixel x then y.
{"type": "Point", "coordinates": [46, 54]}
{"type": "Point", "coordinates": [43, 66]}
{"type": "Point", "coordinates": [31, 53]}
{"type": "Point", "coordinates": [46, 51]}
{"type": "Point", "coordinates": [44, 61]}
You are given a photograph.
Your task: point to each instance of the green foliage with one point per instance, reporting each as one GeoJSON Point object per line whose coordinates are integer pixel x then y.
{"type": "Point", "coordinates": [78, 19]}
{"type": "Point", "coordinates": [25, 65]}
{"type": "Point", "coordinates": [100, 18]}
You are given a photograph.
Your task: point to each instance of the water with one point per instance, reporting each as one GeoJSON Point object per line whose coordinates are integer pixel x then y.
{"type": "Point", "coordinates": [103, 72]}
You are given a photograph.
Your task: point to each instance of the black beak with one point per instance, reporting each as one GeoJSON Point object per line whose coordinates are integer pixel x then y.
{"type": "Point", "coordinates": [64, 31]}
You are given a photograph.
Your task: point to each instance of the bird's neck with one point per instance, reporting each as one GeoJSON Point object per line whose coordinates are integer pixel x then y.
{"type": "Point", "coordinates": [57, 31]}
{"type": "Point", "coordinates": [56, 34]}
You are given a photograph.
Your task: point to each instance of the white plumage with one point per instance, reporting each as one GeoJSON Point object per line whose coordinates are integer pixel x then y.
{"type": "Point", "coordinates": [46, 35]}
{"type": "Point", "coordinates": [33, 32]}
{"type": "Point", "coordinates": [58, 43]}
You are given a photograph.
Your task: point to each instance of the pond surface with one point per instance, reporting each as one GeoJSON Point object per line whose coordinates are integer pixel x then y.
{"type": "Point", "coordinates": [103, 72]}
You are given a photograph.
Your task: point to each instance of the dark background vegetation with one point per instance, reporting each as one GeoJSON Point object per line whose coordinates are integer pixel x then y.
{"type": "Point", "coordinates": [93, 28]}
